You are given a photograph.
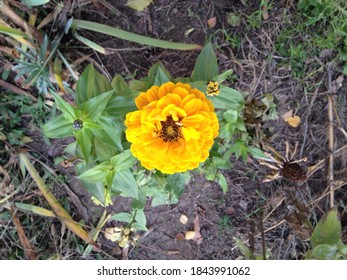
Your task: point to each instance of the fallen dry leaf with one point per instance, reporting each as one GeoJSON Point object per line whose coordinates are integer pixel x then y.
{"type": "Point", "coordinates": [183, 219]}
{"type": "Point", "coordinates": [190, 235]}
{"type": "Point", "coordinates": [198, 237]}
{"type": "Point", "coordinates": [291, 119]}
{"type": "Point", "coordinates": [287, 115]}
{"type": "Point", "coordinates": [265, 12]}
{"type": "Point", "coordinates": [211, 22]}
{"type": "Point", "coordinates": [294, 121]}
{"type": "Point", "coordinates": [180, 236]}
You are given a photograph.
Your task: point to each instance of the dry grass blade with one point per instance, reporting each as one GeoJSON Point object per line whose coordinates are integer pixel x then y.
{"type": "Point", "coordinates": [58, 210]}
{"type": "Point", "coordinates": [28, 250]}
{"type": "Point", "coordinates": [5, 9]}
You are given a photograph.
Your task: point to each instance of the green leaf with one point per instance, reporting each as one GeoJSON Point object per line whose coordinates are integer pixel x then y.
{"type": "Point", "coordinates": [110, 132]}
{"type": "Point", "coordinates": [257, 153]}
{"type": "Point", "coordinates": [97, 173]}
{"type": "Point", "coordinates": [229, 99]}
{"type": "Point", "coordinates": [222, 77]}
{"type": "Point", "coordinates": [103, 150]}
{"type": "Point", "coordinates": [231, 116]}
{"type": "Point", "coordinates": [120, 105]}
{"type": "Point", "coordinates": [141, 221]}
{"type": "Point", "coordinates": [11, 31]}
{"type": "Point", "coordinates": [84, 142]}
{"type": "Point", "coordinates": [325, 252]}
{"type": "Point", "coordinates": [139, 203]}
{"type": "Point", "coordinates": [161, 77]}
{"type": "Point", "coordinates": [90, 84]}
{"type": "Point", "coordinates": [222, 181]}
{"type": "Point", "coordinates": [175, 184]}
{"type": "Point", "coordinates": [90, 44]}
{"type": "Point", "coordinates": [243, 248]}
{"type": "Point", "coordinates": [138, 85]}
{"type": "Point", "coordinates": [109, 178]}
{"type": "Point", "coordinates": [95, 106]}
{"type": "Point", "coordinates": [120, 86]}
{"type": "Point", "coordinates": [206, 66]}
{"type": "Point", "coordinates": [328, 230]}
{"type": "Point", "coordinates": [58, 127]}
{"type": "Point", "coordinates": [122, 217]}
{"type": "Point", "coordinates": [32, 3]}
{"type": "Point", "coordinates": [95, 189]}
{"type": "Point", "coordinates": [124, 182]}
{"type": "Point", "coordinates": [123, 161]}
{"type": "Point", "coordinates": [143, 40]}
{"type": "Point", "coordinates": [138, 5]}
{"type": "Point", "coordinates": [69, 112]}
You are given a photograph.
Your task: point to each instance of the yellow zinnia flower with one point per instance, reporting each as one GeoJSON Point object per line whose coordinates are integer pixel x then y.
{"type": "Point", "coordinates": [173, 128]}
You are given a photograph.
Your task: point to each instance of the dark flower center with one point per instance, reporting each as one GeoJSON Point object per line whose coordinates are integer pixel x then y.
{"type": "Point", "coordinates": [171, 130]}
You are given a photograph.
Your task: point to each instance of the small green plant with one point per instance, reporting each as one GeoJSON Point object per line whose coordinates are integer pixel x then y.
{"type": "Point", "coordinates": [106, 161]}
{"type": "Point", "coordinates": [326, 239]}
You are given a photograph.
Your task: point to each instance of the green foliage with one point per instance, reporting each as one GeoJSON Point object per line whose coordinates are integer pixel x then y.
{"type": "Point", "coordinates": [326, 239]}
{"type": "Point", "coordinates": [319, 25]}
{"type": "Point", "coordinates": [108, 167]}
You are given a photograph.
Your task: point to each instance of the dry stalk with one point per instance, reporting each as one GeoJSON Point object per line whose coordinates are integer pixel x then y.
{"type": "Point", "coordinates": [331, 138]}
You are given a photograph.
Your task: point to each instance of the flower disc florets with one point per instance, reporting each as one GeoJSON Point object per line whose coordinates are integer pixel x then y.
{"type": "Point", "coordinates": [173, 128]}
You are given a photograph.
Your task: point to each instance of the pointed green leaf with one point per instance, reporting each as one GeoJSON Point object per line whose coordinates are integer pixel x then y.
{"type": "Point", "coordinates": [97, 173]}
{"type": "Point", "coordinates": [11, 31]}
{"type": "Point", "coordinates": [103, 150]}
{"type": "Point", "coordinates": [206, 66]}
{"type": "Point", "coordinates": [139, 203]}
{"type": "Point", "coordinates": [175, 184]}
{"type": "Point", "coordinates": [109, 177]}
{"type": "Point", "coordinates": [90, 43]}
{"type": "Point", "coordinates": [120, 105]}
{"type": "Point", "coordinates": [243, 248]}
{"type": "Point", "coordinates": [229, 99]}
{"type": "Point", "coordinates": [58, 127]}
{"type": "Point", "coordinates": [69, 112]}
{"type": "Point", "coordinates": [124, 182]}
{"type": "Point", "coordinates": [257, 153]}
{"type": "Point", "coordinates": [143, 40]}
{"type": "Point", "coordinates": [140, 219]}
{"type": "Point", "coordinates": [122, 217]}
{"type": "Point", "coordinates": [222, 77]}
{"type": "Point", "coordinates": [161, 77]}
{"type": "Point", "coordinates": [90, 84]}
{"type": "Point", "coordinates": [83, 139]}
{"type": "Point", "coordinates": [120, 86]}
{"type": "Point", "coordinates": [123, 161]}
{"type": "Point", "coordinates": [222, 181]}
{"type": "Point", "coordinates": [95, 189]}
{"type": "Point", "coordinates": [95, 106]}
{"type": "Point", "coordinates": [328, 230]}
{"type": "Point", "coordinates": [138, 85]}
{"type": "Point", "coordinates": [110, 132]}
